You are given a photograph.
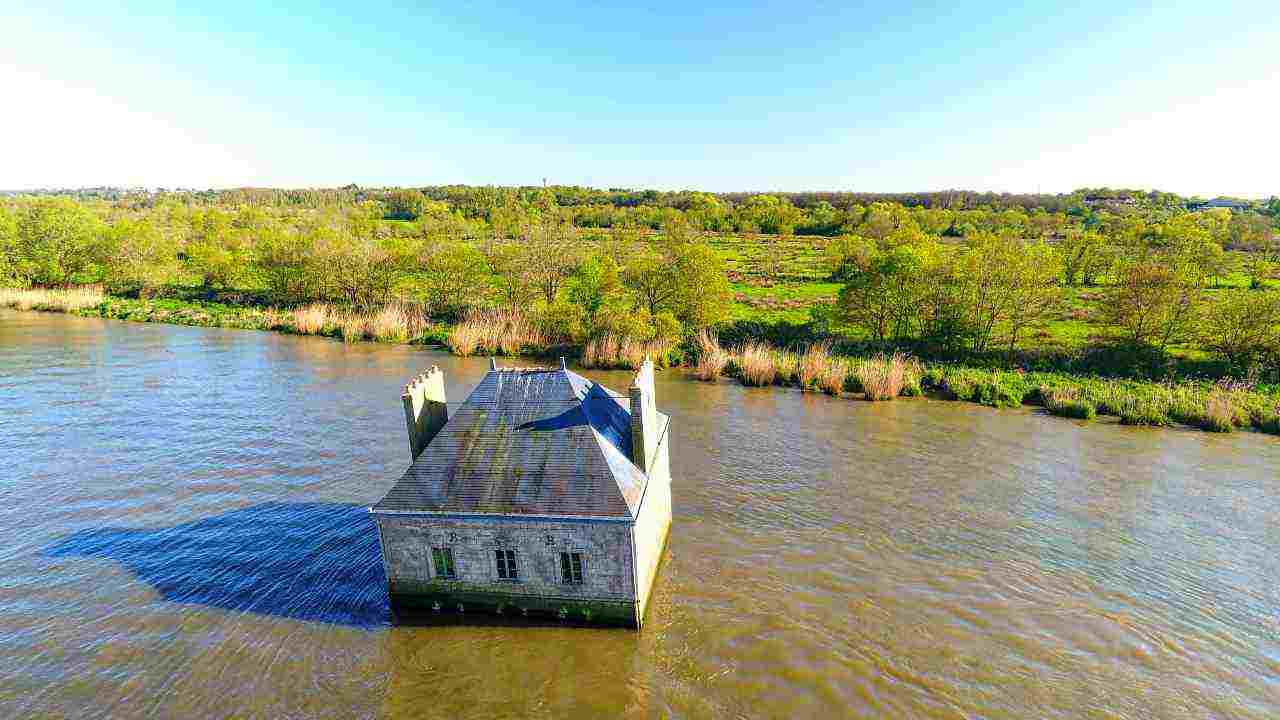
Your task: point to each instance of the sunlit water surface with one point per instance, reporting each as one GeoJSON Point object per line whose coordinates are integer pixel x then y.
{"type": "Point", "coordinates": [183, 534]}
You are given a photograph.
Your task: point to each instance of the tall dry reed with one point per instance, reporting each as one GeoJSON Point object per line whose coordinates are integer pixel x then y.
{"type": "Point", "coordinates": [757, 364]}
{"type": "Point", "coordinates": [394, 323]}
{"type": "Point", "coordinates": [712, 358]}
{"type": "Point", "coordinates": [831, 376]}
{"type": "Point", "coordinates": [495, 331]}
{"type": "Point", "coordinates": [312, 319]}
{"type": "Point", "coordinates": [815, 360]}
{"type": "Point", "coordinates": [52, 299]}
{"type": "Point", "coordinates": [614, 351]}
{"type": "Point", "coordinates": [353, 326]}
{"type": "Point", "coordinates": [883, 378]}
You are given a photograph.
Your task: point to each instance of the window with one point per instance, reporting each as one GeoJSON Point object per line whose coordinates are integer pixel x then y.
{"type": "Point", "coordinates": [442, 558]}
{"type": "Point", "coordinates": [571, 568]}
{"type": "Point", "coordinates": [507, 564]}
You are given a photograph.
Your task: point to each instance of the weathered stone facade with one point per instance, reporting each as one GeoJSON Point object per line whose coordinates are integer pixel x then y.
{"type": "Point", "coordinates": [583, 549]}
{"type": "Point", "coordinates": [604, 546]}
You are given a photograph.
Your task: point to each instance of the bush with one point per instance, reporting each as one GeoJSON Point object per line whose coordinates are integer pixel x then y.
{"type": "Point", "coordinates": [1067, 402]}
{"type": "Point", "coordinates": [1143, 411]}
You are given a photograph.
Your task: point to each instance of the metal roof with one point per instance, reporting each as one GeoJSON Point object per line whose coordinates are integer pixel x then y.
{"type": "Point", "coordinates": [528, 442]}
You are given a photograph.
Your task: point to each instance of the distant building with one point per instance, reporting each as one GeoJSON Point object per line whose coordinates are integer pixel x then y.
{"type": "Point", "coordinates": [1227, 203]}
{"type": "Point", "coordinates": [1109, 201]}
{"type": "Point", "coordinates": [544, 494]}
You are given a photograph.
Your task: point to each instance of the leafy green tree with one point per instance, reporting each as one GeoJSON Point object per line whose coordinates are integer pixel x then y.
{"type": "Point", "coordinates": [651, 276]}
{"type": "Point", "coordinates": [847, 254]}
{"type": "Point", "coordinates": [702, 287]}
{"type": "Point", "coordinates": [54, 240]}
{"type": "Point", "coordinates": [593, 283]}
{"type": "Point", "coordinates": [1153, 303]}
{"type": "Point", "coordinates": [1254, 235]}
{"type": "Point", "coordinates": [8, 246]}
{"type": "Point", "coordinates": [1244, 328]}
{"type": "Point", "coordinates": [216, 250]}
{"type": "Point", "coordinates": [1080, 250]}
{"type": "Point", "coordinates": [882, 292]}
{"type": "Point", "coordinates": [137, 254]}
{"type": "Point", "coordinates": [405, 204]}
{"type": "Point", "coordinates": [454, 275]}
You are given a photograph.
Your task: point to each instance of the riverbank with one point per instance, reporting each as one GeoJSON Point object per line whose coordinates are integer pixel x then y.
{"type": "Point", "coordinates": [1216, 407]}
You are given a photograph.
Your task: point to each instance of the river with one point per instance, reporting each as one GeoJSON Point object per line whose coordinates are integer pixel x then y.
{"type": "Point", "coordinates": [183, 534]}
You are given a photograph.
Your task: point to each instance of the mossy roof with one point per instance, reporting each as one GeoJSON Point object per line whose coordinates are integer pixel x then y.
{"type": "Point", "coordinates": [528, 442]}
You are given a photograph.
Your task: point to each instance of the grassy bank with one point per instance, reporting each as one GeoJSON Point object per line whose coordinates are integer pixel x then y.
{"type": "Point", "coordinates": [1219, 407]}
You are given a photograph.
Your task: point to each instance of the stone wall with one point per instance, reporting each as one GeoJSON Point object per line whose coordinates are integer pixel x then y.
{"type": "Point", "coordinates": [654, 521]}
{"type": "Point", "coordinates": [606, 548]}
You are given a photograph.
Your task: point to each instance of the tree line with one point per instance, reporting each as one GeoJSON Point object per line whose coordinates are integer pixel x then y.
{"type": "Point", "coordinates": [959, 279]}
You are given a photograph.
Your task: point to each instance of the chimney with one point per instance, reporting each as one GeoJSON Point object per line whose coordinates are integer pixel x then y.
{"type": "Point", "coordinates": [425, 409]}
{"type": "Point", "coordinates": [644, 419]}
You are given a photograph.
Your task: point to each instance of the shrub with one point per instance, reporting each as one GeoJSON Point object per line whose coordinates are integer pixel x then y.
{"type": "Point", "coordinates": [1143, 411]}
{"type": "Point", "coordinates": [1067, 402]}
{"type": "Point", "coordinates": [1001, 392]}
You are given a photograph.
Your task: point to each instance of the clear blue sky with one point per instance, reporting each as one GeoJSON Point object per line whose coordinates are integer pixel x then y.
{"type": "Point", "coordinates": [1182, 96]}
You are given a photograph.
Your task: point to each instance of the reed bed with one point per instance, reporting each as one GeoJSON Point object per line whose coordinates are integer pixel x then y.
{"type": "Point", "coordinates": [832, 377]}
{"type": "Point", "coordinates": [495, 332]}
{"type": "Point", "coordinates": [757, 364]}
{"type": "Point", "coordinates": [885, 378]}
{"type": "Point", "coordinates": [65, 300]}
{"type": "Point", "coordinates": [615, 351]}
{"type": "Point", "coordinates": [312, 319]}
{"type": "Point", "coordinates": [815, 360]}
{"type": "Point", "coordinates": [712, 359]}
{"type": "Point", "coordinates": [394, 323]}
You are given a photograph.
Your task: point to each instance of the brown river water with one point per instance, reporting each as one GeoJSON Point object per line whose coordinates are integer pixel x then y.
{"type": "Point", "coordinates": [183, 535]}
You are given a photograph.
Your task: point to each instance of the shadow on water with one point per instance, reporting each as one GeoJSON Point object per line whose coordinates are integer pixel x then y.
{"type": "Point", "coordinates": [305, 561]}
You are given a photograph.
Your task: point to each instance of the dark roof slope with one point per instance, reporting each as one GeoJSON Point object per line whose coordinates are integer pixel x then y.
{"type": "Point", "coordinates": [528, 442]}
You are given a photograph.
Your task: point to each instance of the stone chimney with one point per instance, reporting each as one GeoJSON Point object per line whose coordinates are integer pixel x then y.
{"type": "Point", "coordinates": [644, 419]}
{"type": "Point", "coordinates": [425, 409]}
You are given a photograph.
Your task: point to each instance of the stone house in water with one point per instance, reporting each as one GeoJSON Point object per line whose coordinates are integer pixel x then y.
{"type": "Point", "coordinates": [544, 494]}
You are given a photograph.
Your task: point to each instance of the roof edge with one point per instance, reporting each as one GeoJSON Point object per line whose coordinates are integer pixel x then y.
{"type": "Point", "coordinates": [373, 510]}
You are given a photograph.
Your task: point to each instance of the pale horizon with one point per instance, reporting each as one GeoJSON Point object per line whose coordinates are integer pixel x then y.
{"type": "Point", "coordinates": [891, 99]}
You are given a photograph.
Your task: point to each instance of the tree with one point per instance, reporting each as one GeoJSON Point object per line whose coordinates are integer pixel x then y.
{"type": "Point", "coordinates": [1153, 302]}
{"type": "Point", "coordinates": [1081, 253]}
{"type": "Point", "coordinates": [215, 249]}
{"type": "Point", "coordinates": [847, 254]}
{"type": "Point", "coordinates": [54, 240]}
{"type": "Point", "coordinates": [8, 248]}
{"type": "Point", "coordinates": [593, 283]}
{"type": "Point", "coordinates": [550, 253]}
{"type": "Point", "coordinates": [702, 287]}
{"type": "Point", "coordinates": [137, 254]}
{"type": "Point", "coordinates": [1034, 269]}
{"type": "Point", "coordinates": [405, 204]}
{"type": "Point", "coordinates": [651, 275]}
{"type": "Point", "coordinates": [1254, 235]}
{"type": "Point", "coordinates": [454, 275]}
{"type": "Point", "coordinates": [1244, 328]}
{"type": "Point", "coordinates": [881, 293]}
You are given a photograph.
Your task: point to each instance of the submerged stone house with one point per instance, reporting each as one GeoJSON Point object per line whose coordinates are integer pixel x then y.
{"type": "Point", "coordinates": [543, 494]}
